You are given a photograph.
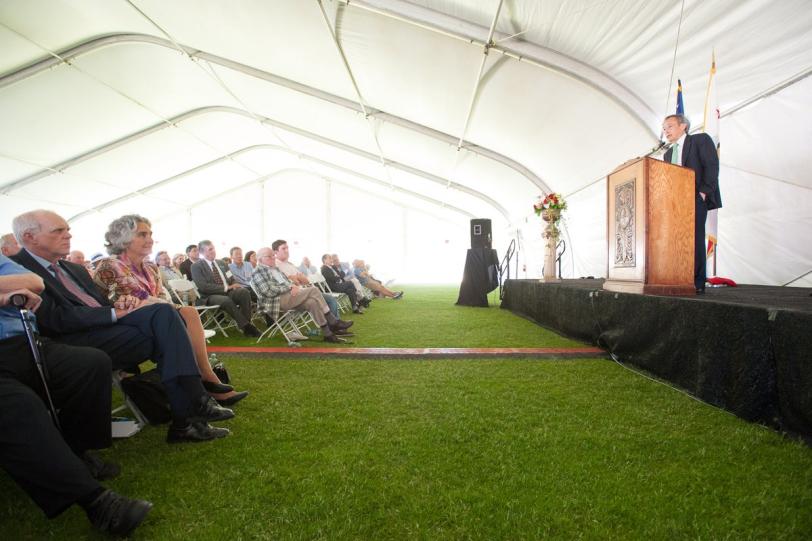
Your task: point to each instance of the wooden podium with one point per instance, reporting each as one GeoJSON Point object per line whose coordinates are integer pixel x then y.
{"type": "Point", "coordinates": [650, 228]}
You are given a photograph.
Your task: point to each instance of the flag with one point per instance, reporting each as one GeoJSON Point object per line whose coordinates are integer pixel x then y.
{"type": "Point", "coordinates": [711, 127]}
{"type": "Point", "coordinates": [680, 105]}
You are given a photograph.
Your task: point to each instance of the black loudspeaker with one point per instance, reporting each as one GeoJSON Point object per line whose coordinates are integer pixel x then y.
{"type": "Point", "coordinates": [481, 233]}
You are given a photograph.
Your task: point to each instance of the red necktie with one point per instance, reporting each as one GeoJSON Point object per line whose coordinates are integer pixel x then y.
{"type": "Point", "coordinates": [77, 292]}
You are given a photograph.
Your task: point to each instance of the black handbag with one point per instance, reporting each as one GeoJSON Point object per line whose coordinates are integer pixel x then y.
{"type": "Point", "coordinates": [149, 394]}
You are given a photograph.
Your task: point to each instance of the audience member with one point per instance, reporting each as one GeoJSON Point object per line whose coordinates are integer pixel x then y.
{"type": "Point", "coordinates": [170, 271]}
{"type": "Point", "coordinates": [217, 286]}
{"type": "Point", "coordinates": [337, 283]}
{"type": "Point", "coordinates": [56, 469]}
{"type": "Point", "coordinates": [282, 255]}
{"type": "Point", "coordinates": [8, 245]}
{"type": "Point", "coordinates": [345, 271]}
{"type": "Point", "coordinates": [277, 293]}
{"type": "Point", "coordinates": [361, 272]}
{"type": "Point", "coordinates": [192, 257]}
{"type": "Point", "coordinates": [251, 257]}
{"type": "Point", "coordinates": [128, 272]}
{"type": "Point", "coordinates": [130, 330]}
{"type": "Point", "coordinates": [306, 267]}
{"type": "Point", "coordinates": [240, 268]}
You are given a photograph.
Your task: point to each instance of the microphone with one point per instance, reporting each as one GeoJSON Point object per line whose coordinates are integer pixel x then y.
{"type": "Point", "coordinates": [661, 145]}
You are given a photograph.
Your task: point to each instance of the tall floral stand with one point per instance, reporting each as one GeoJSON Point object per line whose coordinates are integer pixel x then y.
{"type": "Point", "coordinates": [551, 233]}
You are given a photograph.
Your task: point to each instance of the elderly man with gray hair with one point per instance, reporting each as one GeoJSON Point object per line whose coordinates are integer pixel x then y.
{"type": "Point", "coordinates": [129, 330]}
{"type": "Point", "coordinates": [218, 286]}
{"type": "Point", "coordinates": [277, 294]}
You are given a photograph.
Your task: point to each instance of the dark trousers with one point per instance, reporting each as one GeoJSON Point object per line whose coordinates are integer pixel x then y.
{"type": "Point", "coordinates": [700, 257]}
{"type": "Point", "coordinates": [155, 332]}
{"type": "Point", "coordinates": [236, 303]}
{"type": "Point", "coordinates": [33, 452]}
{"type": "Point", "coordinates": [349, 289]}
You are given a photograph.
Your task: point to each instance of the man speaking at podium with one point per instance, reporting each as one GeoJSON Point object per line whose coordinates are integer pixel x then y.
{"type": "Point", "coordinates": [695, 152]}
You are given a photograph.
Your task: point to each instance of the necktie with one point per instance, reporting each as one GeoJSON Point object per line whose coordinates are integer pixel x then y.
{"type": "Point", "coordinates": [674, 155]}
{"type": "Point", "coordinates": [75, 290]}
{"type": "Point", "coordinates": [218, 279]}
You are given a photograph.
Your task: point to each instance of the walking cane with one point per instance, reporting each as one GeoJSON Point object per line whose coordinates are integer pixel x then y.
{"type": "Point", "coordinates": [33, 342]}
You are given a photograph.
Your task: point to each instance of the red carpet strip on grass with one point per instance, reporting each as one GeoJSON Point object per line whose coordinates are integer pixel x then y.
{"type": "Point", "coordinates": [415, 353]}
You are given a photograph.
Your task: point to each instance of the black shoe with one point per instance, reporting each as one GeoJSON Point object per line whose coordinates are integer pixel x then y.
{"type": "Point", "coordinates": [195, 432]}
{"type": "Point", "coordinates": [364, 303]}
{"type": "Point", "coordinates": [398, 295]}
{"type": "Point", "coordinates": [213, 387]}
{"type": "Point", "coordinates": [336, 339]}
{"type": "Point", "coordinates": [341, 324]}
{"type": "Point", "coordinates": [113, 513]}
{"type": "Point", "coordinates": [700, 291]}
{"type": "Point", "coordinates": [98, 468]}
{"type": "Point", "coordinates": [233, 399]}
{"type": "Point", "coordinates": [268, 320]}
{"type": "Point", "coordinates": [343, 332]}
{"type": "Point", "coordinates": [250, 330]}
{"type": "Point", "coordinates": [209, 410]}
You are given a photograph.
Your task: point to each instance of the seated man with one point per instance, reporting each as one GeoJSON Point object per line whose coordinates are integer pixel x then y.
{"type": "Point", "coordinates": [282, 254]}
{"type": "Point", "coordinates": [78, 257]}
{"type": "Point", "coordinates": [307, 267]}
{"type": "Point", "coordinates": [192, 257]}
{"type": "Point", "coordinates": [241, 270]}
{"type": "Point", "coordinates": [278, 294]}
{"type": "Point", "coordinates": [360, 271]}
{"type": "Point", "coordinates": [337, 283]}
{"type": "Point", "coordinates": [8, 245]}
{"type": "Point", "coordinates": [56, 469]}
{"type": "Point", "coordinates": [217, 285]}
{"type": "Point", "coordinates": [129, 331]}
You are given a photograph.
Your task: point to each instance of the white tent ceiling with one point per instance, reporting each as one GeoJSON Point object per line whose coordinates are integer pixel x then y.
{"type": "Point", "coordinates": [380, 127]}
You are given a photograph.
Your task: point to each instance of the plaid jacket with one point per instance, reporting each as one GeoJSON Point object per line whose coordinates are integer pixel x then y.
{"type": "Point", "coordinates": [269, 290]}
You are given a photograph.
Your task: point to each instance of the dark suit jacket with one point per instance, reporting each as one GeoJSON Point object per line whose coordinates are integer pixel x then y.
{"type": "Point", "coordinates": [61, 312]}
{"type": "Point", "coordinates": [332, 277]}
{"type": "Point", "coordinates": [186, 268]}
{"type": "Point", "coordinates": [204, 279]}
{"type": "Point", "coordinates": [699, 153]}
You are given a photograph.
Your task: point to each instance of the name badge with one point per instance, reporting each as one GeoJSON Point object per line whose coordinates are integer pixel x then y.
{"type": "Point", "coordinates": [229, 274]}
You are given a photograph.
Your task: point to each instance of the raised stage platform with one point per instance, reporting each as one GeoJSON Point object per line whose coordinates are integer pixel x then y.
{"type": "Point", "coordinates": [747, 349]}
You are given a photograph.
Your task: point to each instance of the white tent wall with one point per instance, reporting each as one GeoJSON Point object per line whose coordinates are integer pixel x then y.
{"type": "Point", "coordinates": [260, 93]}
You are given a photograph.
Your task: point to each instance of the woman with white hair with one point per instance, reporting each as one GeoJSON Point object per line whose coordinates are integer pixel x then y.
{"type": "Point", "coordinates": [129, 272]}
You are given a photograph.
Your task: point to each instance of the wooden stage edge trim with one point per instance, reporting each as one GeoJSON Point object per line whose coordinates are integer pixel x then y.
{"type": "Point", "coordinates": [415, 353]}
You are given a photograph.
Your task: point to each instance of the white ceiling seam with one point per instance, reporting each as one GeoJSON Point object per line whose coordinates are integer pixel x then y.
{"type": "Point", "coordinates": [522, 51]}
{"type": "Point", "coordinates": [144, 190]}
{"type": "Point", "coordinates": [175, 121]}
{"type": "Point", "coordinates": [361, 102]}
{"type": "Point", "coordinates": [477, 82]}
{"type": "Point", "coordinates": [208, 70]}
{"type": "Point", "coordinates": [263, 180]}
{"type": "Point", "coordinates": [116, 39]}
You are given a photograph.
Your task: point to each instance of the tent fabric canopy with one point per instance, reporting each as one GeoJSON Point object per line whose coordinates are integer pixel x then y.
{"type": "Point", "coordinates": [363, 127]}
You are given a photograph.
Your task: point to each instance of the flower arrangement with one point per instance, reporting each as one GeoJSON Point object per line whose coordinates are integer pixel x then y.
{"type": "Point", "coordinates": [552, 201]}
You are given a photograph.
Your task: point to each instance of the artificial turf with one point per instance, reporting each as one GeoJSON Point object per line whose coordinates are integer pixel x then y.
{"type": "Point", "coordinates": [456, 449]}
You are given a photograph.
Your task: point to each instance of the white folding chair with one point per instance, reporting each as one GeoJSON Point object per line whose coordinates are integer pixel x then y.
{"type": "Point", "coordinates": [292, 321]}
{"type": "Point", "coordinates": [210, 316]}
{"type": "Point", "coordinates": [140, 418]}
{"type": "Point", "coordinates": [343, 300]}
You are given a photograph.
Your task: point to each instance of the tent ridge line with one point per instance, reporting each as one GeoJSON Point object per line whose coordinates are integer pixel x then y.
{"type": "Point", "coordinates": [264, 146]}
{"type": "Point", "coordinates": [125, 38]}
{"type": "Point", "coordinates": [531, 53]}
{"type": "Point", "coordinates": [233, 110]}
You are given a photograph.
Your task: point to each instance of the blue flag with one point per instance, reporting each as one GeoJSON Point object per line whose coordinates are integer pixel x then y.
{"type": "Point", "coordinates": [680, 105]}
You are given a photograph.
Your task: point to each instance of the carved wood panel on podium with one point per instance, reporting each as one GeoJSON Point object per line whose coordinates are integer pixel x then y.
{"type": "Point", "coordinates": [650, 228]}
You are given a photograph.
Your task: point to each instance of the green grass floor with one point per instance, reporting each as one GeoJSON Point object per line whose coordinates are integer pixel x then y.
{"type": "Point", "coordinates": [426, 316]}
{"type": "Point", "coordinates": [456, 449]}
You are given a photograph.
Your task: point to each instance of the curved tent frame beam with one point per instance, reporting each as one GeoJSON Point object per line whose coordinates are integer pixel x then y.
{"type": "Point", "coordinates": [92, 45]}
{"type": "Point", "coordinates": [265, 178]}
{"type": "Point", "coordinates": [531, 53]}
{"type": "Point", "coordinates": [277, 148]}
{"type": "Point", "coordinates": [233, 110]}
